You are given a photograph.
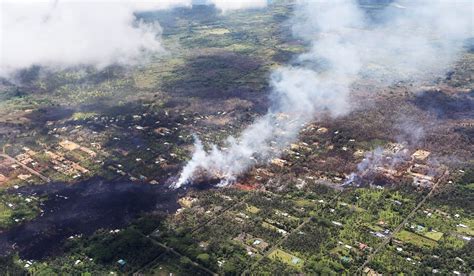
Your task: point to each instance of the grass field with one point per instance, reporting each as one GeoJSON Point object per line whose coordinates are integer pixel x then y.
{"type": "Point", "coordinates": [373, 227]}
{"type": "Point", "coordinates": [215, 31]}
{"type": "Point", "coordinates": [5, 215]}
{"type": "Point", "coordinates": [436, 236]}
{"type": "Point", "coordinates": [463, 230]}
{"type": "Point", "coordinates": [305, 203]}
{"type": "Point", "coordinates": [286, 258]}
{"type": "Point", "coordinates": [415, 239]}
{"type": "Point", "coordinates": [470, 227]}
{"type": "Point", "coordinates": [269, 226]}
{"type": "Point", "coordinates": [252, 209]}
{"type": "Point", "coordinates": [21, 210]}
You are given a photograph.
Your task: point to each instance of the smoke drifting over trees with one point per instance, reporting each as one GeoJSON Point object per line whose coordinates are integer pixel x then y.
{"type": "Point", "coordinates": [65, 33]}
{"type": "Point", "coordinates": [413, 40]}
{"type": "Point", "coordinates": [226, 5]}
{"type": "Point", "coordinates": [59, 34]}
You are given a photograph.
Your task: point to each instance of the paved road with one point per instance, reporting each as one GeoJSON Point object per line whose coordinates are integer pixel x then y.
{"type": "Point", "coordinates": [238, 203]}
{"type": "Point", "coordinates": [172, 250]}
{"type": "Point", "coordinates": [199, 227]}
{"type": "Point", "coordinates": [25, 167]}
{"type": "Point", "coordinates": [283, 239]}
{"type": "Point", "coordinates": [401, 225]}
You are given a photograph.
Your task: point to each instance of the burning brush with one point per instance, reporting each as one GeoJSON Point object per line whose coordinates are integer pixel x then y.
{"type": "Point", "coordinates": [202, 176]}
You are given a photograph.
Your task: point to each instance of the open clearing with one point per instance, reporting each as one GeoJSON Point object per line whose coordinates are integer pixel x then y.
{"type": "Point", "coordinates": [415, 239]}
{"type": "Point", "coordinates": [287, 258]}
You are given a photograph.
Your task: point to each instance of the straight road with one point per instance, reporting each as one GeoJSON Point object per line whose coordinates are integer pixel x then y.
{"type": "Point", "coordinates": [25, 167]}
{"type": "Point", "coordinates": [172, 250]}
{"type": "Point", "coordinates": [402, 224]}
{"type": "Point", "coordinates": [284, 238]}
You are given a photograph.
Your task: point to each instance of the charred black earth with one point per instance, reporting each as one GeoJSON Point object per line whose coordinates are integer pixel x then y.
{"type": "Point", "coordinates": [82, 208]}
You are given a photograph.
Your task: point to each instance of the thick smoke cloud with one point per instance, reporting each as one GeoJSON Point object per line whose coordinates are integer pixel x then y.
{"type": "Point", "coordinates": [413, 40]}
{"type": "Point", "coordinates": [62, 33]}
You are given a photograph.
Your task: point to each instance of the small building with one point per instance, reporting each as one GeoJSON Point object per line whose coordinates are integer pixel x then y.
{"type": "Point", "coordinates": [187, 201]}
{"type": "Point", "coordinates": [322, 130]}
{"type": "Point", "coordinates": [261, 244]}
{"type": "Point", "coordinates": [278, 162]}
{"type": "Point", "coordinates": [394, 148]}
{"type": "Point", "coordinates": [24, 176]}
{"type": "Point", "coordinates": [363, 246]}
{"type": "Point", "coordinates": [370, 272]}
{"type": "Point", "coordinates": [379, 235]}
{"type": "Point", "coordinates": [295, 260]}
{"type": "Point", "coordinates": [122, 262]}
{"type": "Point", "coordinates": [420, 155]}
{"type": "Point", "coordinates": [68, 145]}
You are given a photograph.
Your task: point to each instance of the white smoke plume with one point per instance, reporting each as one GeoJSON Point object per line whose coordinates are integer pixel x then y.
{"type": "Point", "coordinates": [65, 33]}
{"type": "Point", "coordinates": [379, 158]}
{"type": "Point", "coordinates": [414, 40]}
{"type": "Point", "coordinates": [62, 33]}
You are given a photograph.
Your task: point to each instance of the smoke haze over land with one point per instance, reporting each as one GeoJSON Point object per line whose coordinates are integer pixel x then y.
{"type": "Point", "coordinates": [67, 33]}
{"type": "Point", "coordinates": [59, 34]}
{"type": "Point", "coordinates": [412, 41]}
{"type": "Point", "coordinates": [226, 5]}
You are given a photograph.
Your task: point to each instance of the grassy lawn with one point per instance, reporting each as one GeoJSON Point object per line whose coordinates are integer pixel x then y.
{"type": "Point", "coordinates": [372, 227]}
{"type": "Point", "coordinates": [269, 226]}
{"type": "Point", "coordinates": [470, 227]}
{"type": "Point", "coordinates": [434, 235]}
{"type": "Point", "coordinates": [305, 203]}
{"type": "Point", "coordinates": [21, 211]}
{"type": "Point", "coordinates": [340, 250]}
{"type": "Point", "coordinates": [5, 215]}
{"type": "Point", "coordinates": [463, 230]}
{"type": "Point", "coordinates": [415, 239]}
{"type": "Point", "coordinates": [215, 31]}
{"type": "Point", "coordinates": [163, 270]}
{"type": "Point", "coordinates": [252, 209]}
{"type": "Point", "coordinates": [287, 258]}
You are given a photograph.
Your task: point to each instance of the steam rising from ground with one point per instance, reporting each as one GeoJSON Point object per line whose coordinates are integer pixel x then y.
{"type": "Point", "coordinates": [414, 40]}
{"type": "Point", "coordinates": [62, 33]}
